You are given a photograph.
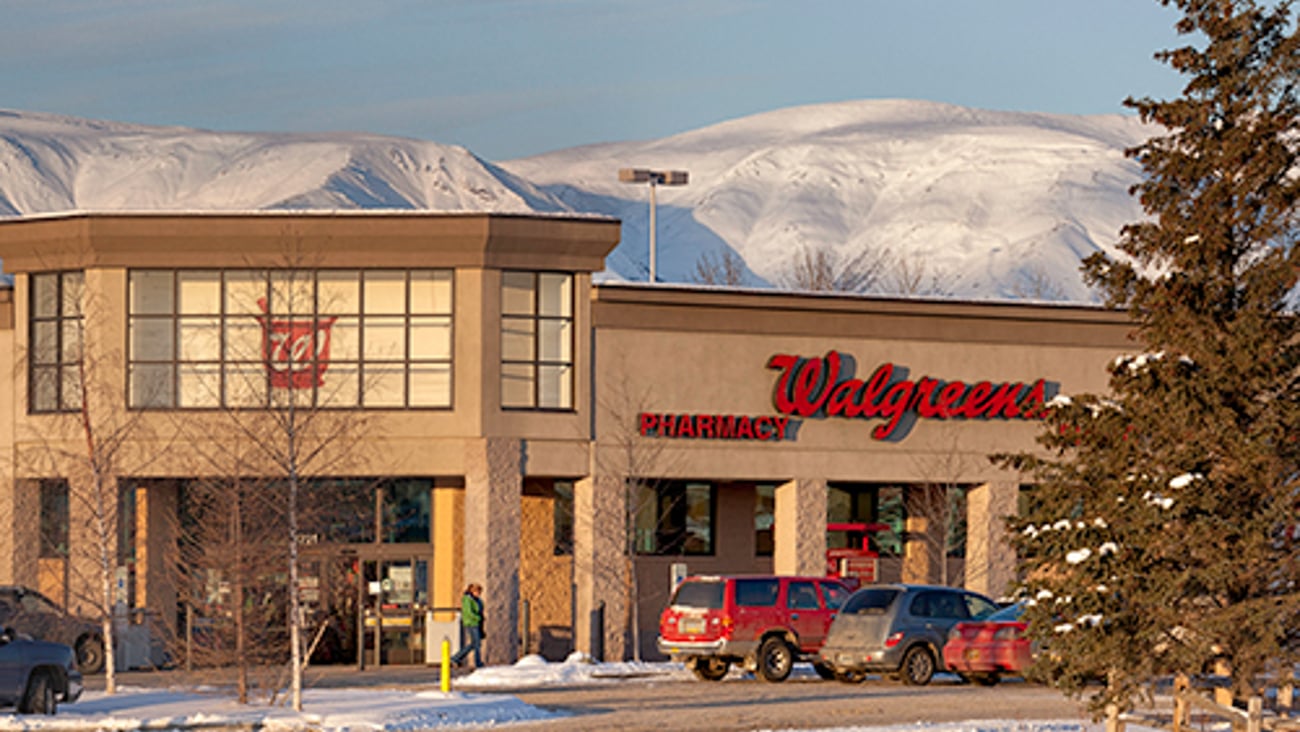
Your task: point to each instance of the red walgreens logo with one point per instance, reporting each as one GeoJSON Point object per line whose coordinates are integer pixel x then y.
{"type": "Point", "coordinates": [296, 351]}
{"type": "Point", "coordinates": [825, 387]}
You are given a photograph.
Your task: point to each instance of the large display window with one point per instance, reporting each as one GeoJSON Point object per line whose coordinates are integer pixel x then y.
{"type": "Point", "coordinates": [257, 338]}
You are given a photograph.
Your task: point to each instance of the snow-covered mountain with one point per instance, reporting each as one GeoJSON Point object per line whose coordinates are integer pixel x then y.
{"type": "Point", "coordinates": [54, 163]}
{"type": "Point", "coordinates": [993, 204]}
{"type": "Point", "coordinates": [968, 203]}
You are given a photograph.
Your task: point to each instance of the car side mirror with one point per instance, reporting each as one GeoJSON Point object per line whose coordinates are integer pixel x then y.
{"type": "Point", "coordinates": [6, 635]}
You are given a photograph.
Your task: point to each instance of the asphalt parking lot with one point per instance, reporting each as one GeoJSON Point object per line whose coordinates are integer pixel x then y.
{"type": "Point", "coordinates": [630, 705]}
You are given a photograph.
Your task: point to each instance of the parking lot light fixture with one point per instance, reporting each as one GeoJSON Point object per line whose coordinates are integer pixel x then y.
{"type": "Point", "coordinates": [655, 178]}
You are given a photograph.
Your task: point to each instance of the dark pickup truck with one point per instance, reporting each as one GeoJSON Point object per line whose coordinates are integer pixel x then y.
{"type": "Point", "coordinates": [36, 675]}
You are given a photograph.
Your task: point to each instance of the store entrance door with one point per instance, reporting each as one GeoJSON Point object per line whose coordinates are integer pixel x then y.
{"type": "Point", "coordinates": [397, 601]}
{"type": "Point", "coordinates": [365, 598]}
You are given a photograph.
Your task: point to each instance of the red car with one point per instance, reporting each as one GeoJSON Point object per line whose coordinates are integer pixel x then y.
{"type": "Point", "coordinates": [983, 651]}
{"type": "Point", "coordinates": [761, 623]}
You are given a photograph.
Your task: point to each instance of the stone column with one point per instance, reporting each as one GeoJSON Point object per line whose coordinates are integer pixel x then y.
{"type": "Point", "coordinates": [600, 562]}
{"type": "Point", "coordinates": [799, 528]}
{"type": "Point", "coordinates": [990, 560]}
{"type": "Point", "coordinates": [491, 539]}
{"type": "Point", "coordinates": [924, 548]}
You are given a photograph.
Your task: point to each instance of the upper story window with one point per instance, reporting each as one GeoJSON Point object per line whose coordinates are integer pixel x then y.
{"type": "Point", "coordinates": [256, 338]}
{"type": "Point", "coordinates": [536, 340]}
{"type": "Point", "coordinates": [56, 322]}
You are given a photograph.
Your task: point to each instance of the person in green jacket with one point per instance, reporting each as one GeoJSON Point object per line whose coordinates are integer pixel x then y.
{"type": "Point", "coordinates": [471, 619]}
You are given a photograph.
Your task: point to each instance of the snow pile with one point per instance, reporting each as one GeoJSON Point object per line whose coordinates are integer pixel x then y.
{"type": "Point", "coordinates": [533, 671]}
{"type": "Point", "coordinates": [333, 709]}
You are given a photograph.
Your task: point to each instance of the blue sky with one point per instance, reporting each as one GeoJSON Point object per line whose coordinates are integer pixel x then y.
{"type": "Point", "coordinates": [509, 78]}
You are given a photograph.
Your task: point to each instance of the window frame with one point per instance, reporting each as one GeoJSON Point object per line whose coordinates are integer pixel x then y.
{"type": "Point", "coordinates": [671, 540]}
{"type": "Point", "coordinates": [268, 397]}
{"type": "Point", "coordinates": [536, 318]}
{"type": "Point", "coordinates": [60, 319]}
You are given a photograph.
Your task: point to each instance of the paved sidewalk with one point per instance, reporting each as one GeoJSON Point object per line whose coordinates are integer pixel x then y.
{"type": "Point", "coordinates": [410, 678]}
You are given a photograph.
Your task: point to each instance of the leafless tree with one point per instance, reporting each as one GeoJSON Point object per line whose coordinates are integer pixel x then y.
{"type": "Point", "coordinates": [914, 276]}
{"type": "Point", "coordinates": [274, 439]}
{"type": "Point", "coordinates": [822, 269]}
{"type": "Point", "coordinates": [90, 438]}
{"type": "Point", "coordinates": [230, 542]}
{"type": "Point", "coordinates": [937, 505]}
{"type": "Point", "coordinates": [726, 269]}
{"type": "Point", "coordinates": [637, 466]}
{"type": "Point", "coordinates": [1037, 284]}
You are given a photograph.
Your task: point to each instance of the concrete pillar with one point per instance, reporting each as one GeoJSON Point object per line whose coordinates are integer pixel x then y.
{"type": "Point", "coordinates": [600, 567]}
{"type": "Point", "coordinates": [799, 528]}
{"type": "Point", "coordinates": [491, 539]}
{"type": "Point", "coordinates": [990, 560]}
{"type": "Point", "coordinates": [155, 532]}
{"type": "Point", "coordinates": [924, 550]}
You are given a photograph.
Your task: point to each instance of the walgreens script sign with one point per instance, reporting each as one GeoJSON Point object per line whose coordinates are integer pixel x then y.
{"type": "Point", "coordinates": [823, 387]}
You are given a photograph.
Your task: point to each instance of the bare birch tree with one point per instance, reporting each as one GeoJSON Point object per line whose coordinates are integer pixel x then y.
{"type": "Point", "coordinates": [87, 436]}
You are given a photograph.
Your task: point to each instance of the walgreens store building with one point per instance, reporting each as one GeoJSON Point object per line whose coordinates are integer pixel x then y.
{"type": "Point", "coordinates": [506, 421]}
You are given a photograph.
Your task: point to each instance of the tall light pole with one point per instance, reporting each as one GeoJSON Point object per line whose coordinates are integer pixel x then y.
{"type": "Point", "coordinates": [655, 178]}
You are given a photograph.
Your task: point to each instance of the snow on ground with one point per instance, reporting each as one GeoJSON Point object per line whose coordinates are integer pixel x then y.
{"type": "Point", "coordinates": [468, 706]}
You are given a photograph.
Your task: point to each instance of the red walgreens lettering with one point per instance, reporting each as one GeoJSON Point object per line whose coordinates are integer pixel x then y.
{"type": "Point", "coordinates": [808, 386]}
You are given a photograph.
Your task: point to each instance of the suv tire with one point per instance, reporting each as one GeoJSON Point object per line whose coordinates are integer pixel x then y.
{"type": "Point", "coordinates": [918, 666]}
{"type": "Point", "coordinates": [41, 697]}
{"type": "Point", "coordinates": [710, 668]}
{"type": "Point", "coordinates": [775, 659]}
{"type": "Point", "coordinates": [824, 670]}
{"type": "Point", "coordinates": [90, 654]}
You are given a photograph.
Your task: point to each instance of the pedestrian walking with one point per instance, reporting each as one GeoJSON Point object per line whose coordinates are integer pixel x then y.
{"type": "Point", "coordinates": [471, 619]}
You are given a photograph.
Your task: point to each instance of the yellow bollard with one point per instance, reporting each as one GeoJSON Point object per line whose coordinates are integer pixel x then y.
{"type": "Point", "coordinates": [445, 672]}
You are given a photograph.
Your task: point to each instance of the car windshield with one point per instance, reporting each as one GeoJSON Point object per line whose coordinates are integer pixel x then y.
{"type": "Point", "coordinates": [1008, 614]}
{"type": "Point", "coordinates": [869, 602]}
{"type": "Point", "coordinates": [706, 595]}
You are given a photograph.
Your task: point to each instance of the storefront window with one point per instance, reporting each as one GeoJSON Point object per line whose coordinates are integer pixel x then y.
{"type": "Point", "coordinates": [764, 519]}
{"type": "Point", "coordinates": [867, 503]}
{"type": "Point", "coordinates": [536, 340]}
{"type": "Point", "coordinates": [408, 511]}
{"type": "Point", "coordinates": [54, 518]}
{"type": "Point", "coordinates": [255, 338]}
{"type": "Point", "coordinates": [54, 339]}
{"type": "Point", "coordinates": [337, 510]}
{"type": "Point", "coordinates": [674, 518]}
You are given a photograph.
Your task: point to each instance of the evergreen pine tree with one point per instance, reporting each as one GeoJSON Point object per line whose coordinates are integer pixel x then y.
{"type": "Point", "coordinates": [1161, 530]}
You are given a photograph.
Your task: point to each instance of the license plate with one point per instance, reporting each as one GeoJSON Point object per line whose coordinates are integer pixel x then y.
{"type": "Point", "coordinates": [971, 654]}
{"type": "Point", "coordinates": [845, 658]}
{"type": "Point", "coordinates": [693, 626]}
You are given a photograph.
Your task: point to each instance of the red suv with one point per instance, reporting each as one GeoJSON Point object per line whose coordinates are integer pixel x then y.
{"type": "Point", "coordinates": [762, 623]}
